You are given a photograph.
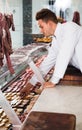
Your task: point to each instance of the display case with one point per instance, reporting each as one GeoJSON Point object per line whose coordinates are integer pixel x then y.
{"type": "Point", "coordinates": [11, 85]}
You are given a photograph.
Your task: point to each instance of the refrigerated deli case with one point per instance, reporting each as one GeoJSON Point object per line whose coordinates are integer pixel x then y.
{"type": "Point", "coordinates": [11, 85]}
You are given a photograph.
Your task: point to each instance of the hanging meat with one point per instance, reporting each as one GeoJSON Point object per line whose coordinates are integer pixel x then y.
{"type": "Point", "coordinates": [6, 22]}
{"type": "Point", "coordinates": [1, 34]}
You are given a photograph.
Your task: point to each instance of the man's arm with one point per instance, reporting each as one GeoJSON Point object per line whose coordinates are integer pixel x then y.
{"type": "Point", "coordinates": [44, 68]}
{"type": "Point", "coordinates": [65, 54]}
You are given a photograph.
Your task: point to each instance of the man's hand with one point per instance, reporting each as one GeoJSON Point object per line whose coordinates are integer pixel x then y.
{"type": "Point", "coordinates": [48, 85]}
{"type": "Point", "coordinates": [26, 90]}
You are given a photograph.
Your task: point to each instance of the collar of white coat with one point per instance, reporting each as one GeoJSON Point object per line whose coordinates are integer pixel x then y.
{"type": "Point", "coordinates": [57, 31]}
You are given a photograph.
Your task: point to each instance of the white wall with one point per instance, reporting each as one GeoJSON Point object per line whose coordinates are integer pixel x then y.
{"type": "Point", "coordinates": [36, 6]}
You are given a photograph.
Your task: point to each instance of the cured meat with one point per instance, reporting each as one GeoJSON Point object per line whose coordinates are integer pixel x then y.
{"type": "Point", "coordinates": [6, 22]}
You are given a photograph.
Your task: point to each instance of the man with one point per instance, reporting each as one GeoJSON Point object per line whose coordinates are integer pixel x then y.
{"type": "Point", "coordinates": [66, 46]}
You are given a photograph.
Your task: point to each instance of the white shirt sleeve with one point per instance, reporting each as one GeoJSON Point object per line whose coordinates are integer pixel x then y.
{"type": "Point", "coordinates": [66, 52]}
{"type": "Point", "coordinates": [48, 62]}
{"type": "Point", "coordinates": [33, 80]}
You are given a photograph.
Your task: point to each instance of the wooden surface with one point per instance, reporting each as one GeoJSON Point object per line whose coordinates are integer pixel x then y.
{"type": "Point", "coordinates": [49, 121]}
{"type": "Point", "coordinates": [72, 76]}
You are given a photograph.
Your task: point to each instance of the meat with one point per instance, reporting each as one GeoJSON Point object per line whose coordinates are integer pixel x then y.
{"type": "Point", "coordinates": [6, 22]}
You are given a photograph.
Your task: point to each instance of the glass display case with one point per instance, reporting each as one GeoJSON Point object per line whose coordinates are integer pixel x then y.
{"type": "Point", "coordinates": [12, 104]}
{"type": "Point", "coordinates": [19, 61]}
{"type": "Point", "coordinates": [11, 85]}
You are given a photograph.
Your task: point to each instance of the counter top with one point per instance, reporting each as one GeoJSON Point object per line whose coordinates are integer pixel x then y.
{"type": "Point", "coordinates": [61, 99]}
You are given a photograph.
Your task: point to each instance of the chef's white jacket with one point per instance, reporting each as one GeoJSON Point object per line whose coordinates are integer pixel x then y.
{"type": "Point", "coordinates": [66, 49]}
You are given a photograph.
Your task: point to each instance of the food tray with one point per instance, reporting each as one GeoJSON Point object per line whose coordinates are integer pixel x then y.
{"type": "Point", "coordinates": [49, 121]}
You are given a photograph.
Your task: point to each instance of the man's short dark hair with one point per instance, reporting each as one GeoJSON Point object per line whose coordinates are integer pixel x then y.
{"type": "Point", "coordinates": [46, 15]}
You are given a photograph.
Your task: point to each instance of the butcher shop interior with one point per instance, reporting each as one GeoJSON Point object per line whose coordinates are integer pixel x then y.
{"type": "Point", "coordinates": [23, 49]}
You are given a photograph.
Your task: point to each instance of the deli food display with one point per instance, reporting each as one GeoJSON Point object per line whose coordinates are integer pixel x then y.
{"type": "Point", "coordinates": [13, 84]}
{"type": "Point", "coordinates": [43, 39]}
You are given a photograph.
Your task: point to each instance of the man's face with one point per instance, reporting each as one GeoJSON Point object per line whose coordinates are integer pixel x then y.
{"type": "Point", "coordinates": [45, 28]}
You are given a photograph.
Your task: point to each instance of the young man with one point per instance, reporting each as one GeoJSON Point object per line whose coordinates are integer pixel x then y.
{"type": "Point", "coordinates": [66, 46]}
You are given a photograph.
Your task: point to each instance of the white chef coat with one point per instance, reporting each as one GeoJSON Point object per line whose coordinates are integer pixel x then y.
{"type": "Point", "coordinates": [65, 49]}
